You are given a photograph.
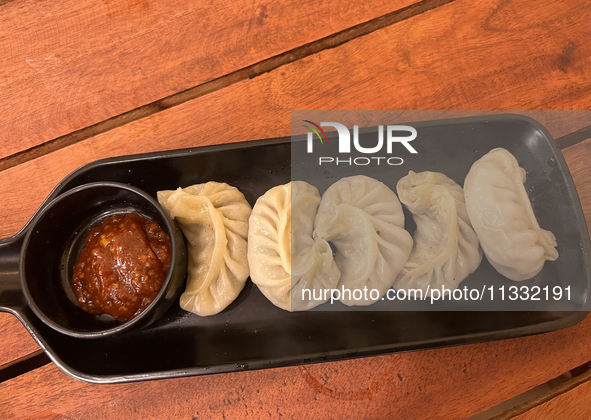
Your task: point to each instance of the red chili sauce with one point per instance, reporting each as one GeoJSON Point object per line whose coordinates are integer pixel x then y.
{"type": "Point", "coordinates": [122, 266]}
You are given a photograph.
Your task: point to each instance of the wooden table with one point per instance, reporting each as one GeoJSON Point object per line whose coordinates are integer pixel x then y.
{"type": "Point", "coordinates": [82, 80]}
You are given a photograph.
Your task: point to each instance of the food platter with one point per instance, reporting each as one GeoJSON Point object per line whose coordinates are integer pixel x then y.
{"type": "Point", "coordinates": [254, 334]}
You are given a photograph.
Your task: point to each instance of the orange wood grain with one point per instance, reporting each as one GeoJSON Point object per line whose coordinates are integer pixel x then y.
{"type": "Point", "coordinates": [65, 65]}
{"type": "Point", "coordinates": [16, 340]}
{"type": "Point", "coordinates": [485, 59]}
{"type": "Point", "coordinates": [462, 55]}
{"type": "Point", "coordinates": [261, 105]}
{"type": "Point", "coordinates": [453, 382]}
{"type": "Point", "coordinates": [573, 405]}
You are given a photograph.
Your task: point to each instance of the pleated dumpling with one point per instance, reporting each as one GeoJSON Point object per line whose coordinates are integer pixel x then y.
{"type": "Point", "coordinates": [363, 218]}
{"type": "Point", "coordinates": [503, 218]}
{"type": "Point", "coordinates": [446, 248]}
{"type": "Point", "coordinates": [287, 265]}
{"type": "Point", "coordinates": [214, 219]}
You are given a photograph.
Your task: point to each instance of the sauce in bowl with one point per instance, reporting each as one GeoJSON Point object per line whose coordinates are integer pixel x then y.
{"type": "Point", "coordinates": [122, 266]}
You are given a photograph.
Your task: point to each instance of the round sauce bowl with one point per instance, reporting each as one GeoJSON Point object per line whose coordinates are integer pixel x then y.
{"type": "Point", "coordinates": [53, 244]}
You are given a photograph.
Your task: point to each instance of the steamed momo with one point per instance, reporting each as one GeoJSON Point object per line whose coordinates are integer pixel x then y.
{"type": "Point", "coordinates": [363, 218]}
{"type": "Point", "coordinates": [283, 258]}
{"type": "Point", "coordinates": [214, 219]}
{"type": "Point", "coordinates": [502, 216]}
{"type": "Point", "coordinates": [446, 248]}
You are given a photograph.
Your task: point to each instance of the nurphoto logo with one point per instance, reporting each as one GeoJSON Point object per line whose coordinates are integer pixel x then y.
{"type": "Point", "coordinates": [402, 134]}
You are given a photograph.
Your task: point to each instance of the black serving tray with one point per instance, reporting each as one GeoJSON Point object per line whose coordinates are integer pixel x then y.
{"type": "Point", "coordinates": [252, 333]}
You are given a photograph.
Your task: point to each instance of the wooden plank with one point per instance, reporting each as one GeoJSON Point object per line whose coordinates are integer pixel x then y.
{"type": "Point", "coordinates": [366, 82]}
{"type": "Point", "coordinates": [458, 74]}
{"type": "Point", "coordinates": [453, 382]}
{"type": "Point", "coordinates": [261, 103]}
{"type": "Point", "coordinates": [55, 78]}
{"type": "Point", "coordinates": [574, 404]}
{"type": "Point", "coordinates": [16, 340]}
{"type": "Point", "coordinates": [547, 397]}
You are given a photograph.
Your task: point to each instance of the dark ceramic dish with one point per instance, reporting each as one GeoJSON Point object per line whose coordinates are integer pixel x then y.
{"type": "Point", "coordinates": [52, 245]}
{"type": "Point", "coordinates": [254, 334]}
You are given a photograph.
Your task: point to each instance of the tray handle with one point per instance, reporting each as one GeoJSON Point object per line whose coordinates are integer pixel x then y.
{"type": "Point", "coordinates": [574, 138]}
{"type": "Point", "coordinates": [11, 294]}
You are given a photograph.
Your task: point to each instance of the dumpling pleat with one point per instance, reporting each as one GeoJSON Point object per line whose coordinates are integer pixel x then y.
{"type": "Point", "coordinates": [214, 219]}
{"type": "Point", "coordinates": [363, 219]}
{"type": "Point", "coordinates": [503, 218]}
{"type": "Point", "coordinates": [446, 248]}
{"type": "Point", "coordinates": [284, 258]}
